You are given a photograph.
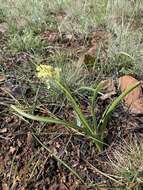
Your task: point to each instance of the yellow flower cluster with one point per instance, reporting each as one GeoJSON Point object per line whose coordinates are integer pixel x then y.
{"type": "Point", "coordinates": [48, 73]}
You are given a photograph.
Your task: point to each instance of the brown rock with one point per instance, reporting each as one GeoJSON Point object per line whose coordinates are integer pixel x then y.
{"type": "Point", "coordinates": [137, 106]}
{"type": "Point", "coordinates": [134, 100]}
{"type": "Point", "coordinates": [124, 83]}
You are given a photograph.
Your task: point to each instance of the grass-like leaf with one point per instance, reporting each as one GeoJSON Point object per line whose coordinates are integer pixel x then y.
{"type": "Point", "coordinates": [105, 117]}
{"type": "Point", "coordinates": [93, 103]}
{"type": "Point", "coordinates": [76, 108]}
{"type": "Point", "coordinates": [43, 119]}
{"type": "Point", "coordinates": [54, 121]}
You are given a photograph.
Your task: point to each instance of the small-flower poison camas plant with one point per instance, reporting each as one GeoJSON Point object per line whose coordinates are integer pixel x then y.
{"type": "Point", "coordinates": [48, 75]}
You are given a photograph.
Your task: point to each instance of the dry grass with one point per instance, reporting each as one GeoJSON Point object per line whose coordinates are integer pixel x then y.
{"type": "Point", "coordinates": [127, 163]}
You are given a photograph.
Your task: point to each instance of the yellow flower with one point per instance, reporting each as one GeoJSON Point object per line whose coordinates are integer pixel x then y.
{"type": "Point", "coordinates": [44, 71]}
{"type": "Point", "coordinates": [57, 72]}
{"type": "Point", "coordinates": [48, 73]}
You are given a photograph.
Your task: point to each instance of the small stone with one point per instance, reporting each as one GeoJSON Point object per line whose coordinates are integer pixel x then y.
{"type": "Point", "coordinates": [5, 186]}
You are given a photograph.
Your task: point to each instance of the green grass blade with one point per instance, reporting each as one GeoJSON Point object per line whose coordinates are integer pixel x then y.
{"type": "Point", "coordinates": [95, 92]}
{"type": "Point", "coordinates": [103, 122]}
{"type": "Point", "coordinates": [76, 108]}
{"type": "Point", "coordinates": [126, 54]}
{"type": "Point", "coordinates": [87, 88]}
{"type": "Point", "coordinates": [60, 161]}
{"type": "Point", "coordinates": [43, 119]}
{"type": "Point", "coordinates": [93, 103]}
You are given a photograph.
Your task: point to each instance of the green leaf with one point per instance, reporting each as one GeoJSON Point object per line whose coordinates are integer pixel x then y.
{"type": "Point", "coordinates": [93, 103]}
{"type": "Point", "coordinates": [103, 122]}
{"type": "Point", "coordinates": [54, 121]}
{"type": "Point", "coordinates": [76, 108]}
{"type": "Point", "coordinates": [43, 119]}
{"type": "Point", "coordinates": [86, 88]}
